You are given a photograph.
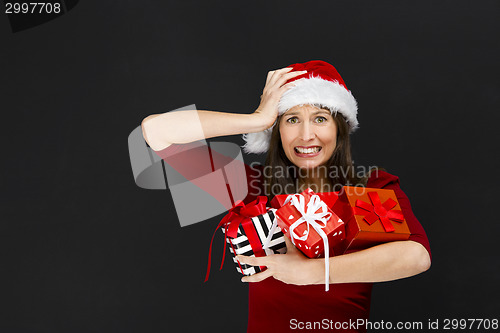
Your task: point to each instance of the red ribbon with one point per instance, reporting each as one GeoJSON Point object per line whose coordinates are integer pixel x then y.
{"type": "Point", "coordinates": [240, 214]}
{"type": "Point", "coordinates": [377, 211]}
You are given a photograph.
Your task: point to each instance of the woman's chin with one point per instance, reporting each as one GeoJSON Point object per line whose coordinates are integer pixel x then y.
{"type": "Point", "coordinates": [308, 165]}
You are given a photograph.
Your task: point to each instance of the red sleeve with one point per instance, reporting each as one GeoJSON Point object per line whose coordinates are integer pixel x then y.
{"type": "Point", "coordinates": [382, 179]}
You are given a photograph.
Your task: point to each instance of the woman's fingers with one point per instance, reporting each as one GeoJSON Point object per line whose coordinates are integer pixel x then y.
{"type": "Point", "coordinates": [267, 111]}
{"type": "Point", "coordinates": [292, 267]}
{"type": "Point", "coordinates": [285, 77]}
{"type": "Point", "coordinates": [273, 91]}
{"type": "Point", "coordinates": [278, 71]}
{"type": "Point", "coordinates": [289, 245]}
{"type": "Point", "coordinates": [269, 75]}
{"type": "Point", "coordinates": [253, 261]}
{"type": "Point", "coordinates": [285, 87]}
{"type": "Point", "coordinates": [257, 277]}
{"type": "Point", "coordinates": [279, 79]}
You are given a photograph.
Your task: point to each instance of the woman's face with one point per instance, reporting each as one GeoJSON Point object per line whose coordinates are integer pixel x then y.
{"type": "Point", "coordinates": [308, 135]}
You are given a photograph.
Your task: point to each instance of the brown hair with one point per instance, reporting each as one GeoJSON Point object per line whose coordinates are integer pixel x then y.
{"type": "Point", "coordinates": [284, 175]}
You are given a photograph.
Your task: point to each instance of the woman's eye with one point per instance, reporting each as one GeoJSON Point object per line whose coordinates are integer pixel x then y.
{"type": "Point", "coordinates": [320, 119]}
{"type": "Point", "coordinates": [293, 120]}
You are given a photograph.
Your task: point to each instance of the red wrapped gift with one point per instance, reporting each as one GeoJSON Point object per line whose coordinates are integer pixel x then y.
{"type": "Point", "coordinates": [250, 230]}
{"type": "Point", "coordinates": [377, 218]}
{"type": "Point", "coordinates": [311, 226]}
{"type": "Point", "coordinates": [338, 204]}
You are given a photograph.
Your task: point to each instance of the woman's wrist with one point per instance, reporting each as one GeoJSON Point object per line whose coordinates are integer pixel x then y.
{"type": "Point", "coordinates": [262, 121]}
{"type": "Point", "coordinates": [316, 269]}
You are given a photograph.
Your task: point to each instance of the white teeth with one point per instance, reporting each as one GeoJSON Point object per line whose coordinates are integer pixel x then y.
{"type": "Point", "coordinates": [307, 150]}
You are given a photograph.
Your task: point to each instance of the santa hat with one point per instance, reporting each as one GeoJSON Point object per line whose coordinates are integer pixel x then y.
{"type": "Point", "coordinates": [321, 86]}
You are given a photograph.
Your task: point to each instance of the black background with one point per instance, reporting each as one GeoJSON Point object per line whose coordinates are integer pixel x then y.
{"type": "Point", "coordinates": [83, 249]}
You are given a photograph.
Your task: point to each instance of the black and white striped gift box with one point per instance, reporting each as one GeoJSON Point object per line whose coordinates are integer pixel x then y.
{"type": "Point", "coordinates": [242, 246]}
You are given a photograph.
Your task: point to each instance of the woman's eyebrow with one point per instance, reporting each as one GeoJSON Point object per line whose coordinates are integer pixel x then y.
{"type": "Point", "coordinates": [294, 113]}
{"type": "Point", "coordinates": [322, 111]}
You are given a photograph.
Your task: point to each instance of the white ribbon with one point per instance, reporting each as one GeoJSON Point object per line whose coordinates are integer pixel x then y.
{"type": "Point", "coordinates": [266, 244]}
{"type": "Point", "coordinates": [311, 217]}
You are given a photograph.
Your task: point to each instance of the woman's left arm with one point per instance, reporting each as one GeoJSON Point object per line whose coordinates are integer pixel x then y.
{"type": "Point", "coordinates": [385, 262]}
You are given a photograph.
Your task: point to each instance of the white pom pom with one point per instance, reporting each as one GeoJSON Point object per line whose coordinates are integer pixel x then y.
{"type": "Point", "coordinates": [257, 143]}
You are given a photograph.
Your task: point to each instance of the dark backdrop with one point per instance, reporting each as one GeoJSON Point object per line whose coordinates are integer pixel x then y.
{"type": "Point", "coordinates": [83, 249]}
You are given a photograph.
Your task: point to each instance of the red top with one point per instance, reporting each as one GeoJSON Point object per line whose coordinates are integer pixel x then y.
{"type": "Point", "coordinates": [274, 305]}
{"type": "Point", "coordinates": [278, 307]}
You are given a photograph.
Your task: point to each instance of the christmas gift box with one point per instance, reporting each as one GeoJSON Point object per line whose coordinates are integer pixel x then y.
{"type": "Point", "coordinates": [311, 226]}
{"type": "Point", "coordinates": [377, 218]}
{"type": "Point", "coordinates": [304, 217]}
{"type": "Point", "coordinates": [258, 230]}
{"type": "Point", "coordinates": [251, 230]}
{"type": "Point", "coordinates": [338, 204]}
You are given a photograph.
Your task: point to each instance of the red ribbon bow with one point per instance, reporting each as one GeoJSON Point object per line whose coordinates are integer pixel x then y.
{"type": "Point", "coordinates": [238, 215]}
{"type": "Point", "coordinates": [377, 210]}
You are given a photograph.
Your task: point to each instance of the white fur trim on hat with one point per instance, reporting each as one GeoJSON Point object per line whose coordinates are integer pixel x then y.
{"type": "Point", "coordinates": [328, 94]}
{"type": "Point", "coordinates": [257, 143]}
{"type": "Point", "coordinates": [313, 91]}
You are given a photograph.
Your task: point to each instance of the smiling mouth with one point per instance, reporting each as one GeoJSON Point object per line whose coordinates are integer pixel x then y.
{"type": "Point", "coordinates": [308, 150]}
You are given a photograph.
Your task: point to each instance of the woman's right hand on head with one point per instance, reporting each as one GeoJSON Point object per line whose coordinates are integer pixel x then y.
{"type": "Point", "coordinates": [276, 85]}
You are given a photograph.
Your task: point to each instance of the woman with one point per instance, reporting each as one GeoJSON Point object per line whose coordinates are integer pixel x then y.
{"type": "Point", "coordinates": [303, 122]}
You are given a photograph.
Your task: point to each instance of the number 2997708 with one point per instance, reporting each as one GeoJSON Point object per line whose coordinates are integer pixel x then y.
{"type": "Point", "coordinates": [33, 7]}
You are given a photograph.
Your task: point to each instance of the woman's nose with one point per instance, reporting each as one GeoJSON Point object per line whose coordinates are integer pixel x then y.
{"type": "Point", "coordinates": [307, 132]}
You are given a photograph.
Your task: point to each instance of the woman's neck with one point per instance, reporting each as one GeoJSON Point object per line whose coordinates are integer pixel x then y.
{"type": "Point", "coordinates": [316, 180]}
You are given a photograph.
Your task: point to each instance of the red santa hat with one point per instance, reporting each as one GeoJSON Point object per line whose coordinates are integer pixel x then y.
{"type": "Point", "coordinates": [321, 86]}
